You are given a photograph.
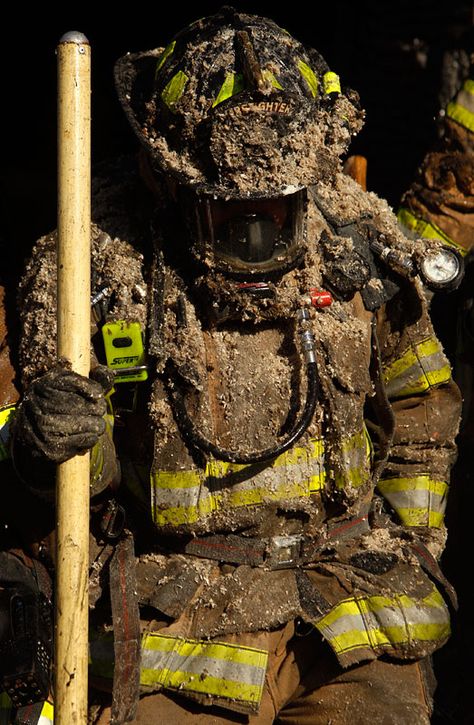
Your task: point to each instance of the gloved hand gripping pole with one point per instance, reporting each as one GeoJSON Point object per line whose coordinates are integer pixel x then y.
{"type": "Point", "coordinates": [73, 318]}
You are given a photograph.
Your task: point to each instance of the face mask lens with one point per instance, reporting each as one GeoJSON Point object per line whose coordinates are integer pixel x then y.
{"type": "Point", "coordinates": [250, 239]}
{"type": "Point", "coordinates": [253, 235]}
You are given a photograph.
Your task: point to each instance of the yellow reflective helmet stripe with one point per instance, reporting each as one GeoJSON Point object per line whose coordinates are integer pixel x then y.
{"type": "Point", "coordinates": [331, 83]}
{"type": "Point", "coordinates": [268, 76]}
{"type": "Point", "coordinates": [418, 500]}
{"type": "Point", "coordinates": [233, 672]}
{"type": "Point", "coordinates": [461, 109]}
{"type": "Point", "coordinates": [426, 229]}
{"type": "Point", "coordinates": [421, 367]}
{"type": "Point", "coordinates": [169, 50]}
{"type": "Point", "coordinates": [233, 83]}
{"type": "Point", "coordinates": [7, 414]}
{"type": "Point", "coordinates": [380, 622]}
{"type": "Point", "coordinates": [173, 90]}
{"type": "Point", "coordinates": [309, 76]}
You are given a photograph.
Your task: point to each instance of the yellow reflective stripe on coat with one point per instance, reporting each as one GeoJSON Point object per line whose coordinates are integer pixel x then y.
{"type": "Point", "coordinates": [356, 455]}
{"type": "Point", "coordinates": [380, 623]}
{"type": "Point", "coordinates": [331, 83]}
{"type": "Point", "coordinates": [5, 709]}
{"type": "Point", "coordinates": [46, 716]}
{"type": "Point", "coordinates": [209, 667]}
{"type": "Point", "coordinates": [309, 76]}
{"type": "Point", "coordinates": [418, 501]}
{"type": "Point", "coordinates": [421, 367]}
{"type": "Point", "coordinates": [426, 229]}
{"type": "Point", "coordinates": [182, 497]}
{"type": "Point", "coordinates": [231, 671]}
{"type": "Point", "coordinates": [461, 109]}
{"type": "Point", "coordinates": [97, 452]}
{"type": "Point", "coordinates": [6, 416]}
{"type": "Point", "coordinates": [173, 90]}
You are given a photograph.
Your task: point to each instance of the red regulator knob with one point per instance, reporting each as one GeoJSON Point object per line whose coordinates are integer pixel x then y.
{"type": "Point", "coordinates": [320, 298]}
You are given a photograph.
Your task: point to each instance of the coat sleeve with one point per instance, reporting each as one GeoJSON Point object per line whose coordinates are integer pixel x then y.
{"type": "Point", "coordinates": [37, 353]}
{"type": "Point", "coordinates": [426, 404]}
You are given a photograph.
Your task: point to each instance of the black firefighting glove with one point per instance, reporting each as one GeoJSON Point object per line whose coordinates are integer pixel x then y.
{"type": "Point", "coordinates": [60, 416]}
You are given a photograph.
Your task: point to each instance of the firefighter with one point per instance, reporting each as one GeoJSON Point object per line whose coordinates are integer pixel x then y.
{"type": "Point", "coordinates": [271, 417]}
{"type": "Point", "coordinates": [439, 205]}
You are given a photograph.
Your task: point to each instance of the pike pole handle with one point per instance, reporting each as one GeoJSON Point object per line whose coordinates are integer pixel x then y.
{"type": "Point", "coordinates": [73, 320]}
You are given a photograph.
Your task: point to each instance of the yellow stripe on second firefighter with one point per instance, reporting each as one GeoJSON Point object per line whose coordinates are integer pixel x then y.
{"type": "Point", "coordinates": [426, 229]}
{"type": "Point", "coordinates": [461, 109]}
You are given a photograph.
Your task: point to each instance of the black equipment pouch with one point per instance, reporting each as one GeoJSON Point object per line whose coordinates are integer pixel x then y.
{"type": "Point", "coordinates": [25, 634]}
{"type": "Point", "coordinates": [25, 645]}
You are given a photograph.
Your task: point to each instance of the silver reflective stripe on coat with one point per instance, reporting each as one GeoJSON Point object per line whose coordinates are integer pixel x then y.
{"type": "Point", "coordinates": [206, 667]}
{"type": "Point", "coordinates": [422, 366]}
{"type": "Point", "coordinates": [382, 623]}
{"type": "Point", "coordinates": [417, 500]}
{"type": "Point", "coordinates": [184, 497]}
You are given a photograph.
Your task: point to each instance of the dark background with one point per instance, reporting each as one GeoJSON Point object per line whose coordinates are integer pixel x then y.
{"type": "Point", "coordinates": [390, 52]}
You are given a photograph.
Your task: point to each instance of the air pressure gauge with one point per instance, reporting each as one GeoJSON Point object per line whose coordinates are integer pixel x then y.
{"type": "Point", "coordinates": [441, 269]}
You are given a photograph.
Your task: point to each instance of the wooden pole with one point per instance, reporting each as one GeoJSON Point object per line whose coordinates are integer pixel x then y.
{"type": "Point", "coordinates": [73, 318]}
{"type": "Point", "coordinates": [356, 167]}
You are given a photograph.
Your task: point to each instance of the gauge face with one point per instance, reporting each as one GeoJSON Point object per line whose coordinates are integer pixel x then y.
{"type": "Point", "coordinates": [441, 268]}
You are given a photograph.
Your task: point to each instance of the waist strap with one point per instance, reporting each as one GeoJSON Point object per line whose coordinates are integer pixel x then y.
{"type": "Point", "coordinates": [276, 552]}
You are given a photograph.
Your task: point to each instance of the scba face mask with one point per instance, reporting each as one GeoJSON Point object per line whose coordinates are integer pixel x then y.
{"type": "Point", "coordinates": [246, 236]}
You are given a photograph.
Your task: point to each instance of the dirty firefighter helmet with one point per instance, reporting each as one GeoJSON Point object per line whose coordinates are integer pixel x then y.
{"type": "Point", "coordinates": [244, 118]}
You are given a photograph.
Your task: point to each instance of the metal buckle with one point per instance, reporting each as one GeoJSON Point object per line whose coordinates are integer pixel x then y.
{"type": "Point", "coordinates": [113, 520]}
{"type": "Point", "coordinates": [283, 552]}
